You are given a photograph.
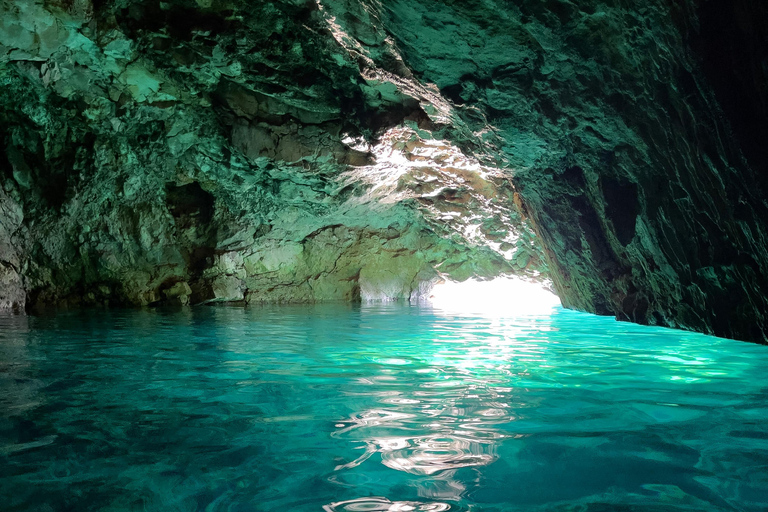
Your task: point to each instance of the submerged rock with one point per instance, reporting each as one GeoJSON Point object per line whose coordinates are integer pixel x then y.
{"type": "Point", "coordinates": [192, 152]}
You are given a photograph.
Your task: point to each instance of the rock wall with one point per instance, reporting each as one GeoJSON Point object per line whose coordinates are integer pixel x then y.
{"type": "Point", "coordinates": [602, 114]}
{"type": "Point", "coordinates": [183, 152]}
{"type": "Point", "coordinates": [224, 150]}
{"type": "Point", "coordinates": [731, 41]}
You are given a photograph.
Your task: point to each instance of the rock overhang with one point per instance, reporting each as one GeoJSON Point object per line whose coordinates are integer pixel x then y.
{"type": "Point", "coordinates": [356, 150]}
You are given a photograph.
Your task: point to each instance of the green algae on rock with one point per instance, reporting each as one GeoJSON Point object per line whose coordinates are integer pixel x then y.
{"type": "Point", "coordinates": [160, 162]}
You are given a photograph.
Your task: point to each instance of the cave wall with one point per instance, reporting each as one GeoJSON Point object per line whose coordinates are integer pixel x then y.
{"type": "Point", "coordinates": [632, 173]}
{"type": "Point", "coordinates": [730, 39]}
{"type": "Point", "coordinates": [189, 151]}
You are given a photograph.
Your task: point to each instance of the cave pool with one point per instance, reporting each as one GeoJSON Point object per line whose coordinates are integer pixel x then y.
{"type": "Point", "coordinates": [376, 408]}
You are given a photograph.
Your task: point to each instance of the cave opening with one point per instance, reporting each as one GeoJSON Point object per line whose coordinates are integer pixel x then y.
{"type": "Point", "coordinates": [501, 296]}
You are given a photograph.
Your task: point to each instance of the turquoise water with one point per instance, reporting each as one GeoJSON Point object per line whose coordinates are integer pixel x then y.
{"type": "Point", "coordinates": [372, 408]}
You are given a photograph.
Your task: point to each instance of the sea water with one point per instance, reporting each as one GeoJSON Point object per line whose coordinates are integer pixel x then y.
{"type": "Point", "coordinates": [373, 408]}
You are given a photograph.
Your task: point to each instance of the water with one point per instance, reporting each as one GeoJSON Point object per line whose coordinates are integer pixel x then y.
{"type": "Point", "coordinates": [372, 408]}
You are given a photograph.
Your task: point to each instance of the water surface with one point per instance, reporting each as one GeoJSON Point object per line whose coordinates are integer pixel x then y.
{"type": "Point", "coordinates": [381, 407]}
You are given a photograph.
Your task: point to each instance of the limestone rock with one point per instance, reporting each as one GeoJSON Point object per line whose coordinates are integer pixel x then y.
{"type": "Point", "coordinates": [188, 152]}
{"type": "Point", "coordinates": [12, 295]}
{"type": "Point", "coordinates": [179, 293]}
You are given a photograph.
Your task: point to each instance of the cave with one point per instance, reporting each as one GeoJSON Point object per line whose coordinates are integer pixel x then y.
{"type": "Point", "coordinates": [383, 255]}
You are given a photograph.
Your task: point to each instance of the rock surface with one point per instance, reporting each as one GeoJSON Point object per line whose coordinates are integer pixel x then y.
{"type": "Point", "coordinates": [201, 151]}
{"type": "Point", "coordinates": [219, 152]}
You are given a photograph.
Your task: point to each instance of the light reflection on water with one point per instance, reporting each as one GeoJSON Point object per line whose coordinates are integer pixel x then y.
{"type": "Point", "coordinates": [376, 408]}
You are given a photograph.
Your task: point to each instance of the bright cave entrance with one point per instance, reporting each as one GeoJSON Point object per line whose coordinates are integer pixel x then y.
{"type": "Point", "coordinates": [501, 296]}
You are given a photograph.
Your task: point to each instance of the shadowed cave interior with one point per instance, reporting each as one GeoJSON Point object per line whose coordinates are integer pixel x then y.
{"type": "Point", "coordinates": [195, 152]}
{"type": "Point", "coordinates": [258, 255]}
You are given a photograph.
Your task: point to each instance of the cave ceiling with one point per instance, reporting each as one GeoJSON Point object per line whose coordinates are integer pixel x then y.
{"type": "Point", "coordinates": [186, 152]}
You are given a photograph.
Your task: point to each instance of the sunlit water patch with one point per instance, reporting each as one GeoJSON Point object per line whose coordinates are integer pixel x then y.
{"type": "Point", "coordinates": [376, 408]}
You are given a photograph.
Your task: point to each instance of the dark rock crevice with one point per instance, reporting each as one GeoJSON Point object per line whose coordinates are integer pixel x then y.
{"type": "Point", "coordinates": [731, 41]}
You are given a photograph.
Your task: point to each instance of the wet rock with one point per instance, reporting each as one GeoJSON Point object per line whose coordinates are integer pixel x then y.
{"type": "Point", "coordinates": [12, 291]}
{"type": "Point", "coordinates": [12, 294]}
{"type": "Point", "coordinates": [178, 294]}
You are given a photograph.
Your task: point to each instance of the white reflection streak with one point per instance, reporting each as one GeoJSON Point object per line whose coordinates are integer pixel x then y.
{"type": "Point", "coordinates": [454, 443]}
{"type": "Point", "coordinates": [450, 421]}
{"type": "Point", "coordinates": [370, 449]}
{"type": "Point", "coordinates": [435, 453]}
{"type": "Point", "coordinates": [380, 504]}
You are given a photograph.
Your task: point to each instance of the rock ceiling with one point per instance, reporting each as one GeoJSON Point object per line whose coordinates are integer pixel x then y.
{"type": "Point", "coordinates": [226, 150]}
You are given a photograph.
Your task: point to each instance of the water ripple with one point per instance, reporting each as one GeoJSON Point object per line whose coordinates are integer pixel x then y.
{"type": "Point", "coordinates": [386, 407]}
